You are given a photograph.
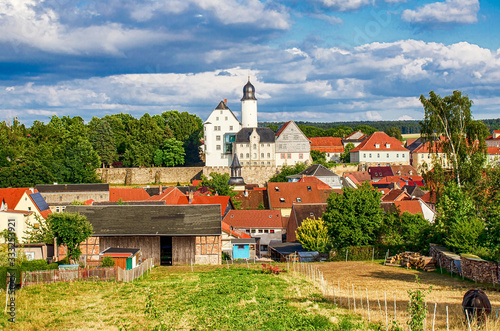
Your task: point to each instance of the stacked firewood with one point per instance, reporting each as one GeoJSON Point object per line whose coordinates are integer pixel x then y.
{"type": "Point", "coordinates": [412, 260]}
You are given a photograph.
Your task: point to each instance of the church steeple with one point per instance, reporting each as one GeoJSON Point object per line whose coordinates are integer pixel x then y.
{"type": "Point", "coordinates": [249, 106]}
{"type": "Point", "coordinates": [236, 178]}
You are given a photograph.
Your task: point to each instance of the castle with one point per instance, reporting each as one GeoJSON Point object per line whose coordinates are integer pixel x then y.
{"type": "Point", "coordinates": [226, 138]}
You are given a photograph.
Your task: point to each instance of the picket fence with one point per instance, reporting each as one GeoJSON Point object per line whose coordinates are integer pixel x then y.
{"type": "Point", "coordinates": [130, 275]}
{"type": "Point", "coordinates": [85, 274]}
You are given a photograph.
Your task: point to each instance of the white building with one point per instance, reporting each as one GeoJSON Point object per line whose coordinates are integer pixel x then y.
{"type": "Point", "coordinates": [292, 145]}
{"type": "Point", "coordinates": [380, 150]}
{"type": "Point", "coordinates": [220, 131]}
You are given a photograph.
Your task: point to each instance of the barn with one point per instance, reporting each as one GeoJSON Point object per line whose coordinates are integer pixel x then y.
{"type": "Point", "coordinates": [171, 235]}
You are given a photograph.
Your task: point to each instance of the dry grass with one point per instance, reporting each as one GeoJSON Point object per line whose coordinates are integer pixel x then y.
{"type": "Point", "coordinates": [393, 283]}
{"type": "Point", "coordinates": [411, 136]}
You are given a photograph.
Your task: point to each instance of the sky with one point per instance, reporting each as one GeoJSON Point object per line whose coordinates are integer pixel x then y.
{"type": "Point", "coordinates": [309, 60]}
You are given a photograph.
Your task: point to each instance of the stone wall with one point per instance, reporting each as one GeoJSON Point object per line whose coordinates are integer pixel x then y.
{"type": "Point", "coordinates": [251, 175]}
{"type": "Point", "coordinates": [142, 176]}
{"type": "Point", "coordinates": [341, 168]}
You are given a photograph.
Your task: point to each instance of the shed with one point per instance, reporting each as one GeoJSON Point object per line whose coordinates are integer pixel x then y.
{"type": "Point", "coordinates": [125, 258]}
{"type": "Point", "coordinates": [244, 248]}
{"type": "Point", "coordinates": [280, 252]}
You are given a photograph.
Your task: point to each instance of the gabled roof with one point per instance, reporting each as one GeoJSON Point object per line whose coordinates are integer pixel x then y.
{"type": "Point", "coordinates": [403, 170]}
{"type": "Point", "coordinates": [429, 197]}
{"type": "Point", "coordinates": [254, 219]}
{"type": "Point", "coordinates": [291, 124]}
{"type": "Point", "coordinates": [311, 179]}
{"type": "Point", "coordinates": [395, 195]}
{"type": "Point", "coordinates": [385, 143]}
{"type": "Point", "coordinates": [426, 148]}
{"type": "Point", "coordinates": [283, 195]}
{"type": "Point", "coordinates": [170, 195]}
{"type": "Point", "coordinates": [266, 135]}
{"type": "Point", "coordinates": [282, 128]}
{"type": "Point", "coordinates": [316, 170]}
{"type": "Point", "coordinates": [412, 145]}
{"type": "Point", "coordinates": [409, 206]}
{"type": "Point", "coordinates": [236, 233]}
{"type": "Point", "coordinates": [128, 194]}
{"type": "Point", "coordinates": [410, 141]}
{"type": "Point", "coordinates": [12, 196]}
{"type": "Point", "coordinates": [414, 191]}
{"type": "Point", "coordinates": [360, 176]}
{"type": "Point", "coordinates": [252, 199]}
{"type": "Point", "coordinates": [224, 201]}
{"type": "Point", "coordinates": [355, 136]}
{"type": "Point", "coordinates": [307, 210]}
{"type": "Point", "coordinates": [402, 180]}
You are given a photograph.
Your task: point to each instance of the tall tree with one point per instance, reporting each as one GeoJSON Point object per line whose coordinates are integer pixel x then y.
{"type": "Point", "coordinates": [451, 118]}
{"type": "Point", "coordinates": [171, 154]}
{"type": "Point", "coordinates": [288, 171]}
{"type": "Point", "coordinates": [218, 183]}
{"type": "Point", "coordinates": [394, 132]}
{"type": "Point", "coordinates": [103, 141]}
{"type": "Point", "coordinates": [346, 156]}
{"type": "Point", "coordinates": [313, 235]}
{"type": "Point", "coordinates": [354, 217]}
{"type": "Point", "coordinates": [70, 229]}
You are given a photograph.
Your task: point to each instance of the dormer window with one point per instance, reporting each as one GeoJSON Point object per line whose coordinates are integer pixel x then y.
{"type": "Point", "coordinates": [387, 145]}
{"type": "Point", "coordinates": [311, 214]}
{"type": "Point", "coordinates": [299, 199]}
{"type": "Point", "coordinates": [276, 188]}
{"type": "Point", "coordinates": [309, 188]}
{"type": "Point", "coordinates": [282, 200]}
{"type": "Point", "coordinates": [377, 146]}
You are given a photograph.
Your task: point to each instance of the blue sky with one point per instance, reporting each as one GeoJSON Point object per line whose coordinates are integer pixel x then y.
{"type": "Point", "coordinates": [309, 60]}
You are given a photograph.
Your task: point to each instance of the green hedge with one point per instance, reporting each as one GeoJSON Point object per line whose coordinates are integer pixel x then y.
{"type": "Point", "coordinates": [365, 253]}
{"type": "Point", "coordinates": [34, 265]}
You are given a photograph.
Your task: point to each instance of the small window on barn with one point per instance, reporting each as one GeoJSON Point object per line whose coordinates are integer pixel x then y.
{"type": "Point", "coordinates": [266, 231]}
{"type": "Point", "coordinates": [271, 231]}
{"type": "Point", "coordinates": [241, 246]}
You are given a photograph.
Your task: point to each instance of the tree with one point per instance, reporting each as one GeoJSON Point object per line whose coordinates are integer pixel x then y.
{"type": "Point", "coordinates": [218, 184]}
{"type": "Point", "coordinates": [346, 156]}
{"type": "Point", "coordinates": [313, 235]}
{"type": "Point", "coordinates": [451, 118]}
{"type": "Point", "coordinates": [395, 133]}
{"type": "Point", "coordinates": [288, 171]}
{"type": "Point", "coordinates": [38, 231]}
{"type": "Point", "coordinates": [171, 153]}
{"type": "Point", "coordinates": [81, 161]}
{"type": "Point", "coordinates": [457, 224]}
{"type": "Point", "coordinates": [354, 217]}
{"type": "Point", "coordinates": [366, 129]}
{"type": "Point", "coordinates": [404, 229]}
{"type": "Point", "coordinates": [318, 157]}
{"type": "Point", "coordinates": [70, 229]}
{"type": "Point", "coordinates": [103, 142]}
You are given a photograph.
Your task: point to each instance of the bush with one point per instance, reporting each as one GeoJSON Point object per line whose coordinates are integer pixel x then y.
{"type": "Point", "coordinates": [107, 261]}
{"type": "Point", "coordinates": [365, 253]}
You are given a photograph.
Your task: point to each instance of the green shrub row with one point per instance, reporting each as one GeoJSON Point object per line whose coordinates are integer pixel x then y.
{"type": "Point", "coordinates": [34, 265]}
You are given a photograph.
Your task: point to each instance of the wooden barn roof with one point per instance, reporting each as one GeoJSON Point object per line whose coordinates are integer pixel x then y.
{"type": "Point", "coordinates": [131, 220]}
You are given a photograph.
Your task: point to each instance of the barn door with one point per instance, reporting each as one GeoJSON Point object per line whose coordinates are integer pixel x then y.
{"type": "Point", "coordinates": [183, 250]}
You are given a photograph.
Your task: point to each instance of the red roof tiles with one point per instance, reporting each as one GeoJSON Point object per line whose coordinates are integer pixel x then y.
{"type": "Point", "coordinates": [128, 194]}
{"type": "Point", "coordinates": [170, 195]}
{"type": "Point", "coordinates": [12, 196]}
{"type": "Point", "coordinates": [254, 219]}
{"type": "Point", "coordinates": [383, 141]}
{"type": "Point", "coordinates": [327, 144]}
{"type": "Point", "coordinates": [283, 195]}
{"type": "Point", "coordinates": [238, 234]}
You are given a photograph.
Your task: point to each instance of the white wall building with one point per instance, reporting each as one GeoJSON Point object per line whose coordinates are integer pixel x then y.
{"type": "Point", "coordinates": [292, 146]}
{"type": "Point", "coordinates": [380, 150]}
{"type": "Point", "coordinates": [219, 134]}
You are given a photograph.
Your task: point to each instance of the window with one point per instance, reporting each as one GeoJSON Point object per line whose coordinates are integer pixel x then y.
{"type": "Point", "coordinates": [282, 155]}
{"type": "Point", "coordinates": [241, 155]}
{"type": "Point", "coordinates": [276, 188]}
{"type": "Point", "coordinates": [370, 155]}
{"type": "Point", "coordinates": [253, 231]}
{"type": "Point", "coordinates": [289, 156]}
{"type": "Point", "coordinates": [397, 155]}
{"type": "Point", "coordinates": [429, 156]}
{"type": "Point", "coordinates": [268, 155]}
{"type": "Point", "coordinates": [231, 127]}
{"type": "Point", "coordinates": [268, 145]}
{"type": "Point", "coordinates": [387, 155]}
{"type": "Point", "coordinates": [217, 147]}
{"type": "Point", "coordinates": [57, 209]}
{"type": "Point", "coordinates": [309, 188]}
{"type": "Point", "coordinates": [217, 138]}
{"type": "Point", "coordinates": [402, 156]}
{"type": "Point", "coordinates": [266, 231]}
{"type": "Point", "coordinates": [282, 200]}
{"type": "Point", "coordinates": [263, 248]}
{"type": "Point", "coordinates": [261, 155]}
{"type": "Point", "coordinates": [254, 155]}
{"type": "Point", "coordinates": [226, 118]}
{"type": "Point", "coordinates": [364, 155]}
{"type": "Point", "coordinates": [388, 145]}
{"type": "Point", "coordinates": [301, 156]}
{"type": "Point", "coordinates": [241, 246]}
{"type": "Point", "coordinates": [248, 156]}
{"type": "Point", "coordinates": [271, 231]}
{"type": "Point", "coordinates": [217, 118]}
{"type": "Point", "coordinates": [311, 214]}
{"type": "Point", "coordinates": [216, 128]}
{"type": "Point", "coordinates": [378, 155]}
{"type": "Point", "coordinates": [254, 146]}
{"type": "Point", "coordinates": [261, 231]}
{"type": "Point", "coordinates": [296, 137]}
{"type": "Point", "coordinates": [29, 208]}
{"type": "Point", "coordinates": [299, 200]}
{"type": "Point", "coordinates": [377, 146]}
{"type": "Point", "coordinates": [220, 112]}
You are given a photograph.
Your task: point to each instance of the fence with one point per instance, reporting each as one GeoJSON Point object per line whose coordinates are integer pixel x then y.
{"type": "Point", "coordinates": [54, 276]}
{"type": "Point", "coordinates": [130, 275]}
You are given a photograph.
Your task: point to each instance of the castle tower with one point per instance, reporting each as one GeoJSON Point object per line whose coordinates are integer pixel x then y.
{"type": "Point", "coordinates": [248, 106]}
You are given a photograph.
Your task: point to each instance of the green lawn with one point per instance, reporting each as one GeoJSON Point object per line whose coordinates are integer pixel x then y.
{"type": "Point", "coordinates": [210, 298]}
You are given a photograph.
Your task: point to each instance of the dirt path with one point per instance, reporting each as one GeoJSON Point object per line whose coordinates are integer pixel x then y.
{"type": "Point", "coordinates": [392, 283]}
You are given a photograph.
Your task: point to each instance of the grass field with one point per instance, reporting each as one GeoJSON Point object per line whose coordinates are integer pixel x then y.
{"type": "Point", "coordinates": [210, 298]}
{"type": "Point", "coordinates": [216, 298]}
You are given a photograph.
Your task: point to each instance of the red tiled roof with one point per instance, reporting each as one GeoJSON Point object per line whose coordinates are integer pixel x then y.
{"type": "Point", "coordinates": [12, 196]}
{"type": "Point", "coordinates": [381, 139]}
{"type": "Point", "coordinates": [25, 212]}
{"type": "Point", "coordinates": [397, 179]}
{"type": "Point", "coordinates": [128, 194]}
{"type": "Point", "coordinates": [410, 141]}
{"type": "Point", "coordinates": [410, 206]}
{"type": "Point", "coordinates": [238, 234]}
{"type": "Point", "coordinates": [283, 127]}
{"type": "Point", "coordinates": [254, 218]}
{"type": "Point", "coordinates": [170, 195]}
{"type": "Point", "coordinates": [426, 148]}
{"type": "Point", "coordinates": [332, 149]}
{"type": "Point", "coordinates": [360, 176]}
{"type": "Point", "coordinates": [494, 150]}
{"type": "Point", "coordinates": [395, 195]}
{"type": "Point", "coordinates": [221, 200]}
{"type": "Point", "coordinates": [311, 179]}
{"type": "Point", "coordinates": [380, 172]}
{"type": "Point", "coordinates": [429, 197]}
{"type": "Point", "coordinates": [45, 213]}
{"type": "Point", "coordinates": [288, 193]}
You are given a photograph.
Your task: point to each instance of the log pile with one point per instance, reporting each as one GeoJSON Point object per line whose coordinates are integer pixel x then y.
{"type": "Point", "coordinates": [412, 260]}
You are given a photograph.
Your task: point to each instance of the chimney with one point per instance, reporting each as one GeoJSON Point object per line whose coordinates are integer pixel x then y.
{"type": "Point", "coordinates": [190, 197]}
{"type": "Point", "coordinates": [160, 188]}
{"type": "Point", "coordinates": [225, 101]}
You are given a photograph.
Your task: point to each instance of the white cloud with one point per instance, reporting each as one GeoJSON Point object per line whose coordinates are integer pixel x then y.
{"type": "Point", "coordinates": [345, 5]}
{"type": "Point", "coordinates": [405, 118]}
{"type": "Point", "coordinates": [27, 22]}
{"type": "Point", "coordinates": [373, 116]}
{"type": "Point", "coordinates": [450, 11]}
